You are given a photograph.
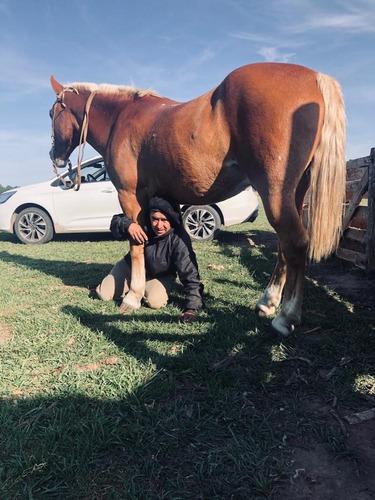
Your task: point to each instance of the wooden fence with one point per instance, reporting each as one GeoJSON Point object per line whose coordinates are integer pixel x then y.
{"type": "Point", "coordinates": [358, 241]}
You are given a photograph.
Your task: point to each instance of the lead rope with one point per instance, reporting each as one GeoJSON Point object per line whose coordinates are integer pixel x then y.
{"type": "Point", "coordinates": [60, 99]}
{"type": "Point", "coordinates": [59, 176]}
{"type": "Point", "coordinates": [82, 140]}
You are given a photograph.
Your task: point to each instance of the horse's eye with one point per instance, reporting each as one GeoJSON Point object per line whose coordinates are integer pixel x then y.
{"type": "Point", "coordinates": [50, 114]}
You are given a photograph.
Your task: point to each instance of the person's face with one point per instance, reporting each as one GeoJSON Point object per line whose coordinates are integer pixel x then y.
{"type": "Point", "coordinates": [159, 223]}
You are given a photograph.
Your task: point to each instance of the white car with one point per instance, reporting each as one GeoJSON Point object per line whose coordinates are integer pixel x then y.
{"type": "Point", "coordinates": [37, 212]}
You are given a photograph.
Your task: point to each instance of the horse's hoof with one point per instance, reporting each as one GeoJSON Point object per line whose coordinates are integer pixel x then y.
{"type": "Point", "coordinates": [264, 311]}
{"type": "Point", "coordinates": [129, 304]}
{"type": "Point", "coordinates": [282, 325]}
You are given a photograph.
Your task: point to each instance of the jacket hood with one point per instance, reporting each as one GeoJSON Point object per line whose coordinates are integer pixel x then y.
{"type": "Point", "coordinates": [172, 211]}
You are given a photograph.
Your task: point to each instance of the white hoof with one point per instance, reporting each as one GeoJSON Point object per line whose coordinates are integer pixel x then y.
{"type": "Point", "coordinates": [282, 325]}
{"type": "Point", "coordinates": [130, 303]}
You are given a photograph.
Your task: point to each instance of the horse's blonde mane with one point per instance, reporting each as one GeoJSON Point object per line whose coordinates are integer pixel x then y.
{"type": "Point", "coordinates": [110, 89]}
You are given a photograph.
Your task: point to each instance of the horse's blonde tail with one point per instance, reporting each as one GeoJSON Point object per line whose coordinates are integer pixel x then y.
{"type": "Point", "coordinates": [328, 174]}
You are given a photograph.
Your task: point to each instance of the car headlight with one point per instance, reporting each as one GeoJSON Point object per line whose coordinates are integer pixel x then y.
{"type": "Point", "coordinates": [5, 196]}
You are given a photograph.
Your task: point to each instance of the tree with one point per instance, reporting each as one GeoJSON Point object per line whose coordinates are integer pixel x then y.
{"type": "Point", "coordinates": [5, 188]}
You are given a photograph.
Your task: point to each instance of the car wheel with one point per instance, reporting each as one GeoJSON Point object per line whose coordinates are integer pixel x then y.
{"type": "Point", "coordinates": [201, 222]}
{"type": "Point", "coordinates": [33, 226]}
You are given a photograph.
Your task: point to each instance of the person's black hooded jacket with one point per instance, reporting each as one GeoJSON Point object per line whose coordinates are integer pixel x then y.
{"type": "Point", "coordinates": [168, 254]}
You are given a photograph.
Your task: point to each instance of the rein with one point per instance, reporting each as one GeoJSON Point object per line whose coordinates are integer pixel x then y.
{"type": "Point", "coordinates": [82, 138]}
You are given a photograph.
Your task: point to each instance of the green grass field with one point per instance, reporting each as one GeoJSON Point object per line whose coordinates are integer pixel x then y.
{"type": "Point", "coordinates": [97, 405]}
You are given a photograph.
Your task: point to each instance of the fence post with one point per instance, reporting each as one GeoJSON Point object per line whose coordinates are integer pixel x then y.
{"type": "Point", "coordinates": [370, 244]}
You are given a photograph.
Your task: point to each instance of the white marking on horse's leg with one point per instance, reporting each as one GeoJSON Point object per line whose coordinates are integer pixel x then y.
{"type": "Point", "coordinates": [289, 317]}
{"type": "Point", "coordinates": [270, 301]}
{"type": "Point", "coordinates": [130, 303]}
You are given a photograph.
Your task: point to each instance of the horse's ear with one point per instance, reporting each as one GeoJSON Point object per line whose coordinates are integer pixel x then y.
{"type": "Point", "coordinates": [57, 87]}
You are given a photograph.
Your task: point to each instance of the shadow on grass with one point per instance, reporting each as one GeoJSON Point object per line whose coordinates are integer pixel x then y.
{"type": "Point", "coordinates": [107, 236]}
{"type": "Point", "coordinates": [71, 273]}
{"type": "Point", "coordinates": [218, 419]}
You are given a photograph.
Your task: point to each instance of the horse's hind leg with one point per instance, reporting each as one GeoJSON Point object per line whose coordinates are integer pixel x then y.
{"type": "Point", "coordinates": [293, 238]}
{"type": "Point", "coordinates": [271, 298]}
{"type": "Point", "coordinates": [294, 244]}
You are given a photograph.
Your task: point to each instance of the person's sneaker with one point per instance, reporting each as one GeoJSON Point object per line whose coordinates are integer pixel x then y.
{"type": "Point", "coordinates": [188, 316]}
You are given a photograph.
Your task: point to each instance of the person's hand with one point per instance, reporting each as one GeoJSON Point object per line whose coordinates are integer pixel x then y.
{"type": "Point", "coordinates": [136, 233]}
{"type": "Point", "coordinates": [188, 316]}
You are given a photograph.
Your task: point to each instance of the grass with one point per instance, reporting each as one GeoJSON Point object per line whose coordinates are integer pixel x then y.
{"type": "Point", "coordinates": [98, 405]}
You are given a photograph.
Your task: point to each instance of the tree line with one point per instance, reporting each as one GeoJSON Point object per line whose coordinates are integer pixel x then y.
{"type": "Point", "coordinates": [4, 188]}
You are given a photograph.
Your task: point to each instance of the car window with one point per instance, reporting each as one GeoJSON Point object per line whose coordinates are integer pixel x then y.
{"type": "Point", "coordinates": [94, 172]}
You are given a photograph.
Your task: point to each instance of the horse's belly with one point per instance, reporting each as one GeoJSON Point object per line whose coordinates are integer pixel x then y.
{"type": "Point", "coordinates": [203, 183]}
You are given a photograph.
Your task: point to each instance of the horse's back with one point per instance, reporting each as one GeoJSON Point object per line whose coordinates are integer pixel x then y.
{"type": "Point", "coordinates": [281, 77]}
{"type": "Point", "coordinates": [269, 88]}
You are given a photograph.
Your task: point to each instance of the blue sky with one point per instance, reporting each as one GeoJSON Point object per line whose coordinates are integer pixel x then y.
{"type": "Point", "coordinates": [179, 48]}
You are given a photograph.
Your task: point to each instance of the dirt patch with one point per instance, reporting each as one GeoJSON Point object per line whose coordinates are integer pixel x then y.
{"type": "Point", "coordinates": [5, 334]}
{"type": "Point", "coordinates": [320, 475]}
{"type": "Point", "coordinates": [92, 367]}
{"type": "Point", "coordinates": [350, 282]}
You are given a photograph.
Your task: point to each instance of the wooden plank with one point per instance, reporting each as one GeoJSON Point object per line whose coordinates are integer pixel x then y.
{"type": "Point", "coordinates": [350, 209]}
{"type": "Point", "coordinates": [359, 219]}
{"type": "Point", "coordinates": [358, 235]}
{"type": "Point", "coordinates": [359, 259]}
{"type": "Point", "coordinates": [355, 174]}
{"type": "Point", "coordinates": [364, 161]}
{"type": "Point", "coordinates": [356, 246]}
{"type": "Point", "coordinates": [370, 250]}
{"type": "Point", "coordinates": [351, 188]}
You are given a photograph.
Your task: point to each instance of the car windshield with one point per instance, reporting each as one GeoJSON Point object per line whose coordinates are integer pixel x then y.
{"type": "Point", "coordinates": [92, 172]}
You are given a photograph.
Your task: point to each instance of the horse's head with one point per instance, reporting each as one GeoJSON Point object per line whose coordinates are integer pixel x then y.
{"type": "Point", "coordinates": [65, 127]}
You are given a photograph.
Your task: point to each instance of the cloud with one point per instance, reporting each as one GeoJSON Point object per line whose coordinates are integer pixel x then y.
{"type": "Point", "coordinates": [271, 48]}
{"type": "Point", "coordinates": [358, 18]}
{"type": "Point", "coordinates": [252, 37]}
{"type": "Point", "coordinates": [271, 54]}
{"type": "Point", "coordinates": [352, 23]}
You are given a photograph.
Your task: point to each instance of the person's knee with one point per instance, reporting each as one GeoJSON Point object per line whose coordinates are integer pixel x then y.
{"type": "Point", "coordinates": [105, 291]}
{"type": "Point", "coordinates": [102, 295]}
{"type": "Point", "coordinates": [156, 295]}
{"type": "Point", "coordinates": [156, 302]}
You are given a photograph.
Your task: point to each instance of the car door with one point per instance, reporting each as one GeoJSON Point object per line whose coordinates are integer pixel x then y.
{"type": "Point", "coordinates": [89, 209]}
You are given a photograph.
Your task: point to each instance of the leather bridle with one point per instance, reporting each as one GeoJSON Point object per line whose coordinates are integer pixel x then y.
{"type": "Point", "coordinates": [82, 138]}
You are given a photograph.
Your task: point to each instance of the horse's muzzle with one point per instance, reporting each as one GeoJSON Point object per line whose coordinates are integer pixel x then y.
{"type": "Point", "coordinates": [58, 162]}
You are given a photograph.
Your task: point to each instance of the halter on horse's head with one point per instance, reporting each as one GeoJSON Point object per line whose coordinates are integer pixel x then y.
{"type": "Point", "coordinates": [67, 133]}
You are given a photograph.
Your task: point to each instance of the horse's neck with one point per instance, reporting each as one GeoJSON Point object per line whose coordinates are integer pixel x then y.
{"type": "Point", "coordinates": [102, 115]}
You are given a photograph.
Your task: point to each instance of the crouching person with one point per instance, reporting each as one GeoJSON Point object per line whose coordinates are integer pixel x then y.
{"type": "Point", "coordinates": [168, 253]}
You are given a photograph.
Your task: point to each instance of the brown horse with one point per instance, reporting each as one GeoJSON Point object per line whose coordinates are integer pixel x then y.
{"type": "Point", "coordinates": [278, 127]}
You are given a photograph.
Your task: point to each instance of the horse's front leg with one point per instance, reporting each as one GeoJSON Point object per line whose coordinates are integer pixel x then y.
{"type": "Point", "coordinates": [132, 300]}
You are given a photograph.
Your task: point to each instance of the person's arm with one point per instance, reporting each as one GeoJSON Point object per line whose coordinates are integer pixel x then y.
{"type": "Point", "coordinates": [185, 262]}
{"type": "Point", "coordinates": [122, 227]}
